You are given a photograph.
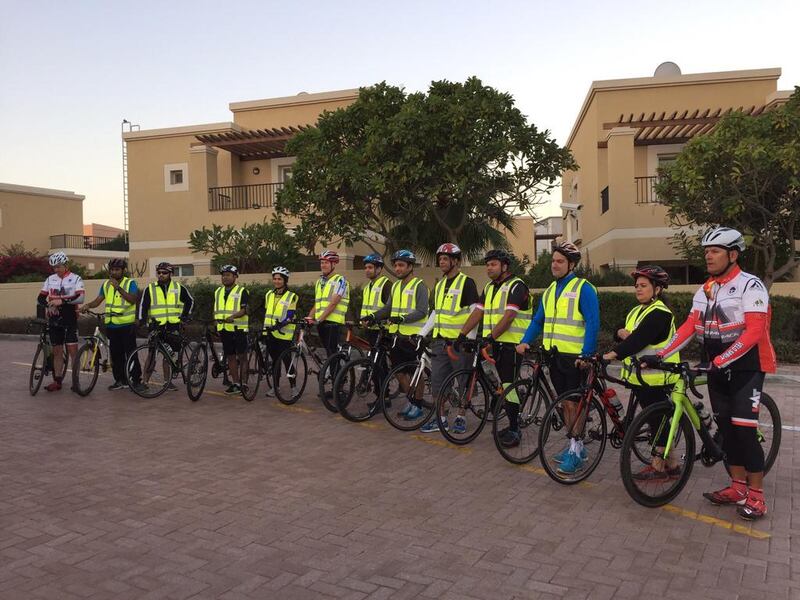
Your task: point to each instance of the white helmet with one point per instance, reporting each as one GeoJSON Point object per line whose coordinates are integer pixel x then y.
{"type": "Point", "coordinates": [58, 258]}
{"type": "Point", "coordinates": [281, 271]}
{"type": "Point", "coordinates": [724, 237]}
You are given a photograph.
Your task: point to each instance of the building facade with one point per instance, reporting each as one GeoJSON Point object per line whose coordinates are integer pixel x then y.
{"type": "Point", "coordinates": [626, 130]}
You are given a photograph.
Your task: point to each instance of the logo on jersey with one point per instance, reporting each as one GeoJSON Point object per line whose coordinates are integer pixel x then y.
{"type": "Point", "coordinates": [732, 290]}
{"type": "Point", "coordinates": [755, 399]}
{"type": "Point", "coordinates": [759, 302]}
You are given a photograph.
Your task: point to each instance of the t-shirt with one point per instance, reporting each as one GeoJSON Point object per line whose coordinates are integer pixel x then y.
{"type": "Point", "coordinates": [69, 289]}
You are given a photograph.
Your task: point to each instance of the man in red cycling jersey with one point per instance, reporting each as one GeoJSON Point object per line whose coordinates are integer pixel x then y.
{"type": "Point", "coordinates": [731, 316]}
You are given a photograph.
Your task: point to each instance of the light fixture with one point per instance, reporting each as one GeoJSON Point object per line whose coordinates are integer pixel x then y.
{"type": "Point", "coordinates": [256, 170]}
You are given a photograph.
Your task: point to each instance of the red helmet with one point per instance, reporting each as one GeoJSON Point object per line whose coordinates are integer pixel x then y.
{"type": "Point", "coordinates": [449, 249]}
{"type": "Point", "coordinates": [330, 255]}
{"type": "Point", "coordinates": [654, 273]}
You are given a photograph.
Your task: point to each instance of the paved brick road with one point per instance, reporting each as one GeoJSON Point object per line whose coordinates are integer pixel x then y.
{"type": "Point", "coordinates": [115, 497]}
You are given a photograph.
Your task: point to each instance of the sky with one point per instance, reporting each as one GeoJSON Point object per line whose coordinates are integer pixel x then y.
{"type": "Point", "coordinates": [71, 71]}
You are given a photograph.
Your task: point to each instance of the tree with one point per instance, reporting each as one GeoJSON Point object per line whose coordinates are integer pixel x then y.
{"type": "Point", "coordinates": [254, 248]}
{"type": "Point", "coordinates": [745, 174]}
{"type": "Point", "coordinates": [397, 170]}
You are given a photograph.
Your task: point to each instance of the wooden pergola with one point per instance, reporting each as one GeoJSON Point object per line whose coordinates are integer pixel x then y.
{"type": "Point", "coordinates": [674, 128]}
{"type": "Point", "coordinates": [253, 144]}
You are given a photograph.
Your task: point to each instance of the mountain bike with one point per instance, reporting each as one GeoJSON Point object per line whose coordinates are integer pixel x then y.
{"type": "Point", "coordinates": [668, 430]}
{"type": "Point", "coordinates": [42, 363]}
{"type": "Point", "coordinates": [408, 387]}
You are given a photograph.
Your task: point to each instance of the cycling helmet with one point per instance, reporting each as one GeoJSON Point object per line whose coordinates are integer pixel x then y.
{"type": "Point", "coordinates": [569, 250]}
{"type": "Point", "coordinates": [501, 255]}
{"type": "Point", "coordinates": [58, 258]}
{"type": "Point", "coordinates": [373, 259]}
{"type": "Point", "coordinates": [229, 269]}
{"type": "Point", "coordinates": [449, 250]}
{"type": "Point", "coordinates": [165, 266]}
{"type": "Point", "coordinates": [117, 263]}
{"type": "Point", "coordinates": [407, 256]}
{"type": "Point", "coordinates": [654, 273]}
{"type": "Point", "coordinates": [329, 255]}
{"type": "Point", "coordinates": [724, 237]}
{"type": "Point", "coordinates": [281, 271]}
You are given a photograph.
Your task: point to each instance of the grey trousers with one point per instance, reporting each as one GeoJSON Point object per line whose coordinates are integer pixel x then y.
{"type": "Point", "coordinates": [442, 365]}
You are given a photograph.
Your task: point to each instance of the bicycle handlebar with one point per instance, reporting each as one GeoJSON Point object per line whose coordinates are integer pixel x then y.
{"type": "Point", "coordinates": [686, 372]}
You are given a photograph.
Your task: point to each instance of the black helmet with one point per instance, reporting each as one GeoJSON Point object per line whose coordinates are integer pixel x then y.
{"type": "Point", "coordinates": [501, 255]}
{"type": "Point", "coordinates": [165, 266]}
{"type": "Point", "coordinates": [117, 263]}
{"type": "Point", "coordinates": [654, 273]}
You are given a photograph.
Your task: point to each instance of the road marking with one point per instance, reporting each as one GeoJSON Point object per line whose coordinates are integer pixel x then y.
{"type": "Point", "coordinates": [292, 408]}
{"type": "Point", "coordinates": [365, 424]}
{"type": "Point", "coordinates": [441, 443]}
{"type": "Point", "coordinates": [743, 529]}
{"type": "Point", "coordinates": [540, 471]}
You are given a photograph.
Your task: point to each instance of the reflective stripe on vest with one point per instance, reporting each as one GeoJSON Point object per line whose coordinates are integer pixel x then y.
{"type": "Point", "coordinates": [649, 376]}
{"type": "Point", "coordinates": [371, 298]}
{"type": "Point", "coordinates": [118, 310]}
{"type": "Point", "coordinates": [323, 295]}
{"type": "Point", "coordinates": [494, 307]}
{"type": "Point", "coordinates": [227, 307]}
{"type": "Point", "coordinates": [450, 316]}
{"type": "Point", "coordinates": [564, 327]}
{"type": "Point", "coordinates": [404, 302]}
{"type": "Point", "coordinates": [275, 311]}
{"type": "Point", "coordinates": [166, 309]}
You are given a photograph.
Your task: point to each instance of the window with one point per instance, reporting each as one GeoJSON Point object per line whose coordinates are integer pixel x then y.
{"type": "Point", "coordinates": [665, 160]}
{"type": "Point", "coordinates": [175, 177]}
{"type": "Point", "coordinates": [183, 270]}
{"type": "Point", "coordinates": [284, 173]}
{"type": "Point", "coordinates": [604, 200]}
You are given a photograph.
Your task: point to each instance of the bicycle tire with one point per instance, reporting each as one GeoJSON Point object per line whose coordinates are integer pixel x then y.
{"type": "Point", "coordinates": [298, 367]}
{"type": "Point", "coordinates": [534, 402]}
{"type": "Point", "coordinates": [151, 359]}
{"type": "Point", "coordinates": [391, 398]}
{"type": "Point", "coordinates": [686, 431]}
{"type": "Point", "coordinates": [776, 425]}
{"type": "Point", "coordinates": [554, 421]}
{"type": "Point", "coordinates": [37, 373]}
{"type": "Point", "coordinates": [252, 370]}
{"type": "Point", "coordinates": [197, 372]}
{"type": "Point", "coordinates": [460, 390]}
{"type": "Point", "coordinates": [354, 377]}
{"type": "Point", "coordinates": [88, 365]}
{"type": "Point", "coordinates": [327, 373]}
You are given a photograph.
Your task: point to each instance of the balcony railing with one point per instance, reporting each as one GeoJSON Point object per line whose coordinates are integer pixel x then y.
{"type": "Point", "coordinates": [89, 242]}
{"type": "Point", "coordinates": [243, 197]}
{"type": "Point", "coordinates": [646, 190]}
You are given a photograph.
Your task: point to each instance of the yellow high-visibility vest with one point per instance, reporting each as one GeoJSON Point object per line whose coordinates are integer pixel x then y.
{"type": "Point", "coordinates": [649, 376]}
{"type": "Point", "coordinates": [227, 307]}
{"type": "Point", "coordinates": [450, 316]}
{"type": "Point", "coordinates": [494, 307]}
{"type": "Point", "coordinates": [275, 310]}
{"type": "Point", "coordinates": [404, 302]}
{"type": "Point", "coordinates": [323, 295]}
{"type": "Point", "coordinates": [118, 310]}
{"type": "Point", "coordinates": [371, 298]}
{"type": "Point", "coordinates": [165, 309]}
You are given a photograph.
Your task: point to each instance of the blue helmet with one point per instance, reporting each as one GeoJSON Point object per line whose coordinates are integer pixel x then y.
{"type": "Point", "coordinates": [373, 259]}
{"type": "Point", "coordinates": [407, 256]}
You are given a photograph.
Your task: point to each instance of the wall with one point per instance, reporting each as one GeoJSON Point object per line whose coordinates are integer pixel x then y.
{"type": "Point", "coordinates": [31, 215]}
{"type": "Point", "coordinates": [98, 230]}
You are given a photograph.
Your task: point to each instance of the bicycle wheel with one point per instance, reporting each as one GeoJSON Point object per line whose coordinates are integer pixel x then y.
{"type": "Point", "coordinates": [250, 375]}
{"type": "Point", "coordinates": [645, 485]}
{"type": "Point", "coordinates": [38, 367]}
{"type": "Point", "coordinates": [769, 431]}
{"type": "Point", "coordinates": [183, 359]}
{"type": "Point", "coordinates": [86, 368]}
{"type": "Point", "coordinates": [463, 396]}
{"type": "Point", "coordinates": [533, 403]}
{"type": "Point", "coordinates": [197, 372]}
{"type": "Point", "coordinates": [556, 433]}
{"type": "Point", "coordinates": [291, 375]}
{"type": "Point", "coordinates": [157, 371]}
{"type": "Point", "coordinates": [327, 373]}
{"type": "Point", "coordinates": [355, 390]}
{"type": "Point", "coordinates": [406, 396]}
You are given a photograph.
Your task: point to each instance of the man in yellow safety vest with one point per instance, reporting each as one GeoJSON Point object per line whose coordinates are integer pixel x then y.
{"type": "Point", "coordinates": [230, 313]}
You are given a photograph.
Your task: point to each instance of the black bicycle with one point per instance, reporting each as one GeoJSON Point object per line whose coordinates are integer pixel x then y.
{"type": "Point", "coordinates": [43, 364]}
{"type": "Point", "coordinates": [157, 353]}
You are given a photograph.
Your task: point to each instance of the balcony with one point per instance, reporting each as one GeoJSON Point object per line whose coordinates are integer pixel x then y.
{"type": "Point", "coordinates": [646, 190]}
{"type": "Point", "coordinates": [243, 197]}
{"type": "Point", "coordinates": [89, 242]}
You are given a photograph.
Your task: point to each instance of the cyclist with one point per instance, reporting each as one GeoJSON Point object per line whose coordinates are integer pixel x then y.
{"type": "Point", "coordinates": [120, 294]}
{"type": "Point", "coordinates": [375, 295]}
{"type": "Point", "coordinates": [648, 328]}
{"type": "Point", "coordinates": [331, 299]}
{"type": "Point", "coordinates": [280, 305]}
{"type": "Point", "coordinates": [407, 310]}
{"type": "Point", "coordinates": [230, 313]}
{"type": "Point", "coordinates": [505, 308]}
{"type": "Point", "coordinates": [731, 316]}
{"type": "Point", "coordinates": [167, 302]}
{"type": "Point", "coordinates": [568, 318]}
{"type": "Point", "coordinates": [61, 294]}
{"type": "Point", "coordinates": [454, 298]}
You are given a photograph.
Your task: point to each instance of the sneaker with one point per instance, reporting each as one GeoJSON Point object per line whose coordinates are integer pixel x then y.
{"type": "Point", "coordinates": [510, 439]}
{"type": "Point", "coordinates": [459, 426]}
{"type": "Point", "coordinates": [432, 426]}
{"type": "Point", "coordinates": [139, 387]}
{"type": "Point", "coordinates": [232, 389]}
{"type": "Point", "coordinates": [571, 464]}
{"type": "Point", "coordinates": [414, 413]}
{"type": "Point", "coordinates": [53, 387]}
{"type": "Point", "coordinates": [561, 456]}
{"type": "Point", "coordinates": [404, 413]}
{"type": "Point", "coordinates": [727, 495]}
{"type": "Point", "coordinates": [649, 473]}
{"type": "Point", "coordinates": [172, 387]}
{"type": "Point", "coordinates": [269, 393]}
{"type": "Point", "coordinates": [117, 386]}
{"type": "Point", "coordinates": [753, 508]}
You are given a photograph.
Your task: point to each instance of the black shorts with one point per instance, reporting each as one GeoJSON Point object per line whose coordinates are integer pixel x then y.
{"type": "Point", "coordinates": [63, 332]}
{"type": "Point", "coordinates": [233, 342]}
{"type": "Point", "coordinates": [403, 351]}
{"type": "Point", "coordinates": [736, 396]}
{"type": "Point", "coordinates": [507, 361]}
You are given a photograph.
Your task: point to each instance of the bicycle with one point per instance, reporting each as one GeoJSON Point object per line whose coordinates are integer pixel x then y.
{"type": "Point", "coordinates": [250, 372]}
{"type": "Point", "coordinates": [586, 408]}
{"type": "Point", "coordinates": [668, 430]}
{"type": "Point", "coordinates": [361, 379]}
{"type": "Point", "coordinates": [536, 395]}
{"type": "Point", "coordinates": [410, 381]}
{"type": "Point", "coordinates": [42, 364]}
{"type": "Point", "coordinates": [92, 357]}
{"type": "Point", "coordinates": [173, 363]}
